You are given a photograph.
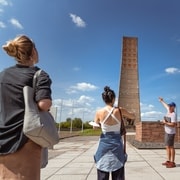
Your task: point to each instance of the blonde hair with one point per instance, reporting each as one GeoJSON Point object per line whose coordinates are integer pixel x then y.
{"type": "Point", "coordinates": [20, 48]}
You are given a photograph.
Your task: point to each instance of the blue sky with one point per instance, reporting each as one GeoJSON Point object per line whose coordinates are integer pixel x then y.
{"type": "Point", "coordinates": [80, 42]}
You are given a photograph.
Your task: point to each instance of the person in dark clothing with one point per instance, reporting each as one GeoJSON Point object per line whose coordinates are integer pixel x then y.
{"type": "Point", "coordinates": [20, 158]}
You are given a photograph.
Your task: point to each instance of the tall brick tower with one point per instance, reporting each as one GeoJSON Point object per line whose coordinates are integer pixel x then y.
{"type": "Point", "coordinates": [129, 78]}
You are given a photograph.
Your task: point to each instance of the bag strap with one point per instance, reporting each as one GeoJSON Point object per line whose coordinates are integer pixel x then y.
{"type": "Point", "coordinates": [37, 73]}
{"type": "Point", "coordinates": [123, 129]}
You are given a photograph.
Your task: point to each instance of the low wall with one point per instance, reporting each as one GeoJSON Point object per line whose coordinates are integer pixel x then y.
{"type": "Point", "coordinates": [149, 131]}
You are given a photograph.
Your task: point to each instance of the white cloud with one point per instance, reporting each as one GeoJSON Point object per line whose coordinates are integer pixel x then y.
{"type": "Point", "coordinates": [2, 25]}
{"type": "Point", "coordinates": [63, 102]}
{"type": "Point", "coordinates": [85, 86]}
{"type": "Point", "coordinates": [81, 102]}
{"type": "Point", "coordinates": [168, 71]}
{"type": "Point", "coordinates": [178, 40]}
{"type": "Point", "coordinates": [172, 70]}
{"type": "Point", "coordinates": [16, 23]}
{"type": "Point", "coordinates": [77, 20]}
{"type": "Point", "coordinates": [72, 108]}
{"type": "Point", "coordinates": [4, 3]}
{"type": "Point", "coordinates": [85, 100]}
{"type": "Point", "coordinates": [146, 107]}
{"type": "Point", "coordinates": [82, 87]}
{"type": "Point", "coordinates": [76, 69]}
{"type": "Point", "coordinates": [148, 113]}
{"type": "Point", "coordinates": [151, 115]}
{"type": "Point", "coordinates": [71, 91]}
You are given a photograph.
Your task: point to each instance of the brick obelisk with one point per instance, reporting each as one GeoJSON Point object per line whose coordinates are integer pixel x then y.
{"type": "Point", "coordinates": [129, 78]}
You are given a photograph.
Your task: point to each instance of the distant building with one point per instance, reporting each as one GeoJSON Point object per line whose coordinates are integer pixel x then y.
{"type": "Point", "coordinates": [129, 78]}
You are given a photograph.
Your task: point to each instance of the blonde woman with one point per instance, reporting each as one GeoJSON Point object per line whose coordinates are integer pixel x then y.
{"type": "Point", "coordinates": [20, 157]}
{"type": "Point", "coordinates": [111, 154]}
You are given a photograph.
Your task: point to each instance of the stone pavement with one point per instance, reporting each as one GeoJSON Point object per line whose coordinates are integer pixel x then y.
{"type": "Point", "coordinates": [72, 159]}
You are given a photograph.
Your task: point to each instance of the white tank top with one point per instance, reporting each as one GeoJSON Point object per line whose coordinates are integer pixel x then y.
{"type": "Point", "coordinates": [110, 128]}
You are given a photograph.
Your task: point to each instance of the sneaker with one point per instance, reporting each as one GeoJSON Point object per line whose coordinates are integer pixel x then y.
{"type": "Point", "coordinates": [171, 165]}
{"type": "Point", "coordinates": [166, 163]}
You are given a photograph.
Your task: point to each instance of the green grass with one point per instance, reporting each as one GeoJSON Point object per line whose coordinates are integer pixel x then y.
{"type": "Point", "coordinates": [90, 132]}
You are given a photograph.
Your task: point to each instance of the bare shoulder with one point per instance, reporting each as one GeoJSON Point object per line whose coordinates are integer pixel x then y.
{"type": "Point", "coordinates": [116, 109]}
{"type": "Point", "coordinates": [122, 109]}
{"type": "Point", "coordinates": [116, 112]}
{"type": "Point", "coordinates": [99, 115]}
{"type": "Point", "coordinates": [99, 112]}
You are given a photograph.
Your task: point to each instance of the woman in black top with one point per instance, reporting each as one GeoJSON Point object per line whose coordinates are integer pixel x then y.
{"type": "Point", "coordinates": [20, 157]}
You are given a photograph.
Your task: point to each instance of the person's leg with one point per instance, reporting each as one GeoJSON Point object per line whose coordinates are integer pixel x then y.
{"type": "Point", "coordinates": [172, 137]}
{"type": "Point", "coordinates": [118, 174]}
{"type": "Point", "coordinates": [166, 141]}
{"type": "Point", "coordinates": [171, 164]}
{"type": "Point", "coordinates": [172, 154]}
{"type": "Point", "coordinates": [168, 151]}
{"type": "Point", "coordinates": [101, 175]}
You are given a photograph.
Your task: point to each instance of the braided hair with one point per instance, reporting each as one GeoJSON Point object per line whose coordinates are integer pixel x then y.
{"type": "Point", "coordinates": [108, 95]}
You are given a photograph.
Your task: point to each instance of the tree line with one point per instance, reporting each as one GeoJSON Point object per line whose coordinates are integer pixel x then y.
{"type": "Point", "coordinates": [77, 123]}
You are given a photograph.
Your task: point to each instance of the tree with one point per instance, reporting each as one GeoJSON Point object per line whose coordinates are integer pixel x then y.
{"type": "Point", "coordinates": [77, 123]}
{"type": "Point", "coordinates": [68, 120]}
{"type": "Point", "coordinates": [87, 125]}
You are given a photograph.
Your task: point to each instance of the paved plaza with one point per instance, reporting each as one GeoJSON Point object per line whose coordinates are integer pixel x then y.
{"type": "Point", "coordinates": [72, 159]}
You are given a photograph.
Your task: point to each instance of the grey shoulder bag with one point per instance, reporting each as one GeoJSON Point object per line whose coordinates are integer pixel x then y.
{"type": "Point", "coordinates": [39, 126]}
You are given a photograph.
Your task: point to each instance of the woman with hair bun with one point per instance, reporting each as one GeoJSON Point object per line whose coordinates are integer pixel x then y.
{"type": "Point", "coordinates": [20, 158]}
{"type": "Point", "coordinates": [111, 154]}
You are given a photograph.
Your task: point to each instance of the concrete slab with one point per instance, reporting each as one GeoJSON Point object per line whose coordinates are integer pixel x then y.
{"type": "Point", "coordinates": [73, 159]}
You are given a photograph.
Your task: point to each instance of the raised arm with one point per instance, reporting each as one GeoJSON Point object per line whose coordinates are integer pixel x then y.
{"type": "Point", "coordinates": [127, 114]}
{"type": "Point", "coordinates": [164, 103]}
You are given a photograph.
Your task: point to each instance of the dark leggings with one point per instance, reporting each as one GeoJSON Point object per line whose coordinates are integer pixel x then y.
{"type": "Point", "coordinates": [116, 175]}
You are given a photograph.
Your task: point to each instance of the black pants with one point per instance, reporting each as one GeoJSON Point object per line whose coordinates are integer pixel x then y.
{"type": "Point", "coordinates": [116, 175]}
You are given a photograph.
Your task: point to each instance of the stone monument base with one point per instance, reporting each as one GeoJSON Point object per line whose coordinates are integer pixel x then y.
{"type": "Point", "coordinates": [150, 135]}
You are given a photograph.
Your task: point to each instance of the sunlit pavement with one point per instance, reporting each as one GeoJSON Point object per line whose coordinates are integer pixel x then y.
{"type": "Point", "coordinates": [72, 158]}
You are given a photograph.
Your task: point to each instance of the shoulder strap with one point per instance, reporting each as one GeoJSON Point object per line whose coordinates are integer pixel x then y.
{"type": "Point", "coordinates": [114, 117]}
{"type": "Point", "coordinates": [108, 114]}
{"type": "Point", "coordinates": [37, 73]}
{"type": "Point", "coordinates": [120, 113]}
{"type": "Point", "coordinates": [123, 129]}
